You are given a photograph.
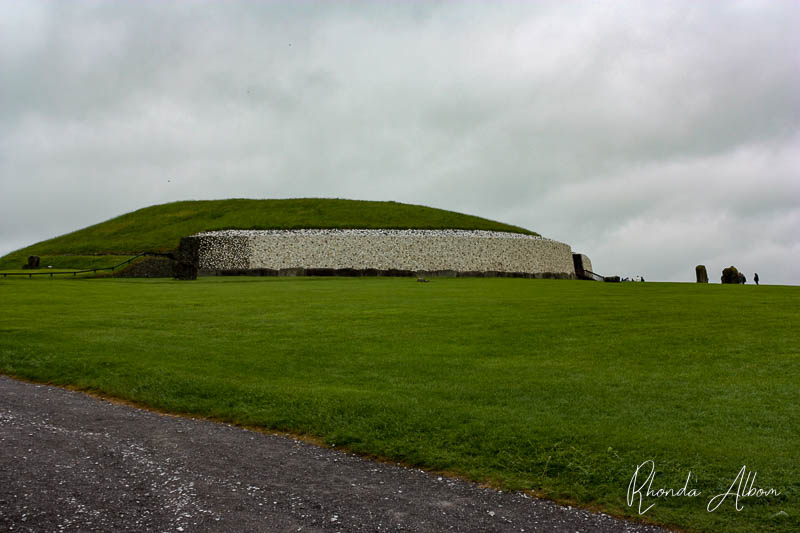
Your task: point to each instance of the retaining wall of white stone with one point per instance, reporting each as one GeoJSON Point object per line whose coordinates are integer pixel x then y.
{"type": "Point", "coordinates": [414, 250]}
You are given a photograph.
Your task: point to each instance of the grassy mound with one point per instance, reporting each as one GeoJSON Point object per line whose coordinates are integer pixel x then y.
{"type": "Point", "coordinates": [159, 228]}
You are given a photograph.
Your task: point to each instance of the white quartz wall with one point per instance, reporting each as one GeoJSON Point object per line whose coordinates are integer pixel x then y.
{"type": "Point", "coordinates": [416, 250]}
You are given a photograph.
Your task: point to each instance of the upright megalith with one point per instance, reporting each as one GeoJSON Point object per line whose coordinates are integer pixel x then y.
{"type": "Point", "coordinates": [701, 273]}
{"type": "Point", "coordinates": [731, 275]}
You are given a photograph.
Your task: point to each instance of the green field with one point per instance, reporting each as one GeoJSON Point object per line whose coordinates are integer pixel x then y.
{"type": "Point", "coordinates": [558, 387]}
{"type": "Point", "coordinates": [159, 228]}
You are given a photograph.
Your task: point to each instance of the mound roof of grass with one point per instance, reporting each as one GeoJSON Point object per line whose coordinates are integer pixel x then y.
{"type": "Point", "coordinates": [159, 228]}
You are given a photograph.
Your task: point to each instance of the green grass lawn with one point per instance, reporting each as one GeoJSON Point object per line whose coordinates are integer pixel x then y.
{"type": "Point", "coordinates": [559, 387]}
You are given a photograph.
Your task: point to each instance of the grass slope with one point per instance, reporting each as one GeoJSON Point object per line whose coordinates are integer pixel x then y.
{"type": "Point", "coordinates": [160, 227]}
{"type": "Point", "coordinates": [555, 386]}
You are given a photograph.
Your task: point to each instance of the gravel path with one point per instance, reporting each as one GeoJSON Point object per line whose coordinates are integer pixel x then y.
{"type": "Point", "coordinates": [71, 462]}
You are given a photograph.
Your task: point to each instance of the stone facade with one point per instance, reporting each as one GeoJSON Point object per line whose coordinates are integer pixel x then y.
{"type": "Point", "coordinates": [409, 251]}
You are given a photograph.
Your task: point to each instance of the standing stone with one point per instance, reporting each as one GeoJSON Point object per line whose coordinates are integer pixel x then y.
{"type": "Point", "coordinates": [702, 274]}
{"type": "Point", "coordinates": [730, 275]}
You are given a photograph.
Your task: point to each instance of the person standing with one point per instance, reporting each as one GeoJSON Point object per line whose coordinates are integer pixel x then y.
{"type": "Point", "coordinates": [755, 278]}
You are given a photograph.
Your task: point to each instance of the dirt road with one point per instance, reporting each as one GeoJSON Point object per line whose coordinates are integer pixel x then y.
{"type": "Point", "coordinates": [71, 462]}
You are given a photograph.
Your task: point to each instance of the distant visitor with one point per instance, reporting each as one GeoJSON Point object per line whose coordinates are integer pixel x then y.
{"type": "Point", "coordinates": [755, 278]}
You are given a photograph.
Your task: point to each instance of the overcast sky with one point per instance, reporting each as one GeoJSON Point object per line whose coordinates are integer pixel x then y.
{"type": "Point", "coordinates": [651, 136]}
